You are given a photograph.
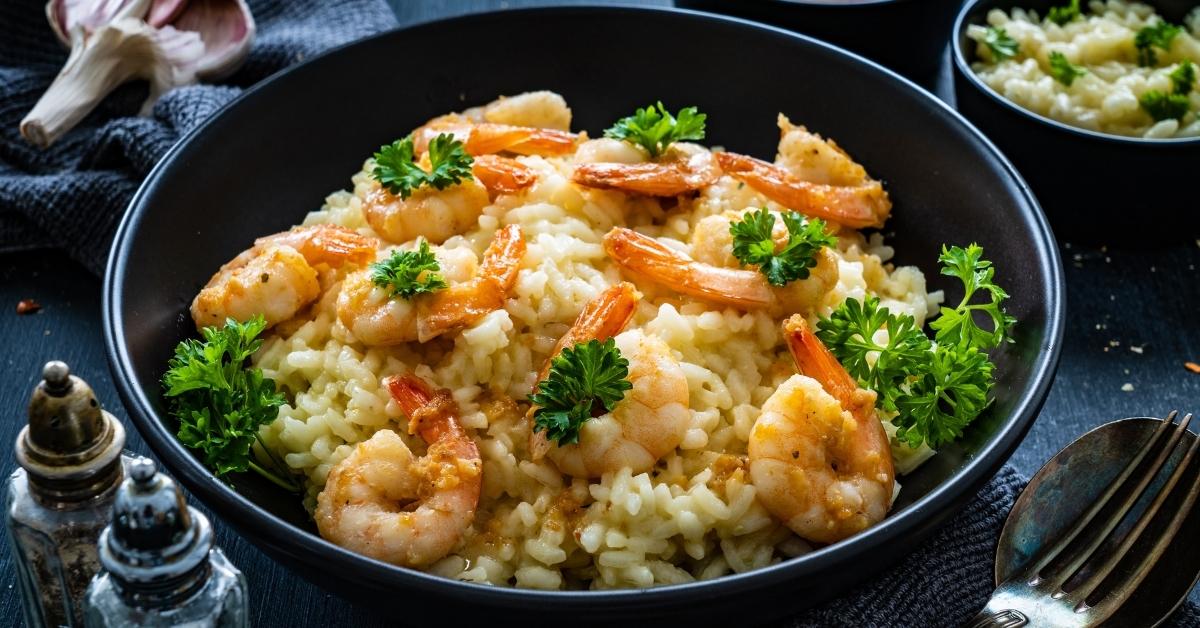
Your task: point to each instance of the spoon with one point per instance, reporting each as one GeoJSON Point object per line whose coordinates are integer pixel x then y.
{"type": "Point", "coordinates": [1071, 482]}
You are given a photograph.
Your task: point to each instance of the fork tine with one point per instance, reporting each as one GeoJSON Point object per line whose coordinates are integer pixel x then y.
{"type": "Point", "coordinates": [1056, 580]}
{"type": "Point", "coordinates": [1087, 587]}
{"type": "Point", "coordinates": [1031, 573]}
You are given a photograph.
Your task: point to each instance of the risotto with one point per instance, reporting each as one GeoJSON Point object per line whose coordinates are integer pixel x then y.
{"type": "Point", "coordinates": [1113, 67]}
{"type": "Point", "coordinates": [493, 254]}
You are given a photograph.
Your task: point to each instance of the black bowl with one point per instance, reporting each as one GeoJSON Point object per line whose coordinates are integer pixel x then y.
{"type": "Point", "coordinates": [908, 36]}
{"type": "Point", "coordinates": [1095, 187]}
{"type": "Point", "coordinates": [257, 166]}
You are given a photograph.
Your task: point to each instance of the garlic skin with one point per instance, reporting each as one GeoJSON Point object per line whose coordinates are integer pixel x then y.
{"type": "Point", "coordinates": [165, 42]}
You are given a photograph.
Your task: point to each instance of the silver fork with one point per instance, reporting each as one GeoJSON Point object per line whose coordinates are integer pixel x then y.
{"type": "Point", "coordinates": [1035, 593]}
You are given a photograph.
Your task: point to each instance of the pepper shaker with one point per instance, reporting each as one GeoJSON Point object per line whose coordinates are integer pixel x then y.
{"type": "Point", "coordinates": [160, 565]}
{"type": "Point", "coordinates": [60, 499]}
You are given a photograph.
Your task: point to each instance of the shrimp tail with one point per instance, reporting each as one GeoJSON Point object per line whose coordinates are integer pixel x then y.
{"type": "Point", "coordinates": [602, 318]}
{"type": "Point", "coordinates": [487, 138]}
{"type": "Point", "coordinates": [647, 257]}
{"type": "Point", "coordinates": [815, 360]}
{"type": "Point", "coordinates": [857, 207]}
{"type": "Point", "coordinates": [325, 244]}
{"type": "Point", "coordinates": [464, 303]}
{"type": "Point", "coordinates": [501, 175]}
{"type": "Point", "coordinates": [430, 412]}
{"type": "Point", "coordinates": [650, 179]}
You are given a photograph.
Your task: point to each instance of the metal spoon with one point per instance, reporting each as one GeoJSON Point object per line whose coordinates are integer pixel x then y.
{"type": "Point", "coordinates": [1042, 574]}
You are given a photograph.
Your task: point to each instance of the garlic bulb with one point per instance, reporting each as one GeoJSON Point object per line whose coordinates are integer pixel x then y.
{"type": "Point", "coordinates": [165, 42]}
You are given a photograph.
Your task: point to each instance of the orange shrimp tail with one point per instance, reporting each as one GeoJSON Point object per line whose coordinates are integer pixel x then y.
{"type": "Point", "coordinates": [857, 207]}
{"type": "Point", "coordinates": [464, 303]}
{"type": "Point", "coordinates": [326, 244]}
{"type": "Point", "coordinates": [501, 175]}
{"type": "Point", "coordinates": [431, 413]}
{"type": "Point", "coordinates": [487, 138]}
{"type": "Point", "coordinates": [502, 259]}
{"type": "Point", "coordinates": [653, 260]}
{"type": "Point", "coordinates": [815, 360]}
{"type": "Point", "coordinates": [602, 318]}
{"type": "Point", "coordinates": [650, 179]}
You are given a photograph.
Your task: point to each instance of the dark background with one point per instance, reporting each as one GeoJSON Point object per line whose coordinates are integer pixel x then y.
{"type": "Point", "coordinates": [1132, 323]}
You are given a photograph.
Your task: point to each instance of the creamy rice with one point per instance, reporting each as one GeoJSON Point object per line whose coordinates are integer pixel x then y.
{"type": "Point", "coordinates": [1105, 99]}
{"type": "Point", "coordinates": [695, 515]}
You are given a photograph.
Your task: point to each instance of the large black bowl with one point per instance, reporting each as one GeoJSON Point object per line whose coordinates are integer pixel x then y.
{"type": "Point", "coordinates": [264, 161]}
{"type": "Point", "coordinates": [1096, 187]}
{"type": "Point", "coordinates": [908, 36]}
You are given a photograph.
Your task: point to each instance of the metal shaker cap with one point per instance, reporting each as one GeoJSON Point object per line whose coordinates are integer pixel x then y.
{"type": "Point", "coordinates": [155, 538]}
{"type": "Point", "coordinates": [71, 445]}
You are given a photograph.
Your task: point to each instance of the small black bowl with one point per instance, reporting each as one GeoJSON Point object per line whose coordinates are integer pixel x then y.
{"type": "Point", "coordinates": [258, 165]}
{"type": "Point", "coordinates": [908, 36]}
{"type": "Point", "coordinates": [1095, 187]}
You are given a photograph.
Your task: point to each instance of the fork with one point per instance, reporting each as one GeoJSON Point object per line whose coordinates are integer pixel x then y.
{"type": "Point", "coordinates": [1036, 593]}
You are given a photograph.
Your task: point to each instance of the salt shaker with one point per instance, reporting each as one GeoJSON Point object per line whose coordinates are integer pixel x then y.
{"type": "Point", "coordinates": [160, 565]}
{"type": "Point", "coordinates": [60, 499]}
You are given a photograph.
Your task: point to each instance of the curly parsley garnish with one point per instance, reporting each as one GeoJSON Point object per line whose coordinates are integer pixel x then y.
{"type": "Point", "coordinates": [753, 245]}
{"type": "Point", "coordinates": [1063, 15]}
{"type": "Point", "coordinates": [1063, 70]}
{"type": "Point", "coordinates": [654, 128]}
{"type": "Point", "coordinates": [397, 170]}
{"type": "Point", "coordinates": [409, 273]}
{"type": "Point", "coordinates": [220, 403]}
{"type": "Point", "coordinates": [937, 387]}
{"type": "Point", "coordinates": [1157, 35]}
{"type": "Point", "coordinates": [1002, 46]}
{"type": "Point", "coordinates": [1162, 106]}
{"type": "Point", "coordinates": [585, 380]}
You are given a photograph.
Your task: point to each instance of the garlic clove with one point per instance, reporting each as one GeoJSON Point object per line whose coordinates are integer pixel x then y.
{"type": "Point", "coordinates": [227, 28]}
{"type": "Point", "coordinates": [65, 15]}
{"type": "Point", "coordinates": [100, 61]}
{"type": "Point", "coordinates": [163, 12]}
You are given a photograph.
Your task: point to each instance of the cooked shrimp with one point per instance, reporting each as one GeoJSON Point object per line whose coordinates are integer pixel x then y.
{"type": "Point", "coordinates": [738, 287]}
{"type": "Point", "coordinates": [386, 503]}
{"type": "Point", "coordinates": [278, 275]}
{"type": "Point", "coordinates": [542, 109]}
{"type": "Point", "coordinates": [683, 168]}
{"type": "Point", "coordinates": [475, 289]}
{"type": "Point", "coordinates": [485, 138]}
{"type": "Point", "coordinates": [649, 421]}
{"type": "Point", "coordinates": [819, 457]}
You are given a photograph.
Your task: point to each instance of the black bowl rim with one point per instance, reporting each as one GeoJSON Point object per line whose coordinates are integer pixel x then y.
{"type": "Point", "coordinates": [307, 548]}
{"type": "Point", "coordinates": [963, 67]}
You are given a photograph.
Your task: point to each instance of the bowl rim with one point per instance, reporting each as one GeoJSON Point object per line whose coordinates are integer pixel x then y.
{"type": "Point", "coordinates": [963, 69]}
{"type": "Point", "coordinates": [273, 534]}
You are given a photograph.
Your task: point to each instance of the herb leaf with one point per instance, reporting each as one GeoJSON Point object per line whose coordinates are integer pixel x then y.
{"type": "Point", "coordinates": [753, 244]}
{"type": "Point", "coordinates": [654, 128]}
{"type": "Point", "coordinates": [1183, 77]}
{"type": "Point", "coordinates": [397, 170]}
{"type": "Point", "coordinates": [945, 397]}
{"type": "Point", "coordinates": [1157, 35]}
{"type": "Point", "coordinates": [1002, 46]}
{"type": "Point", "coordinates": [1063, 70]}
{"type": "Point", "coordinates": [1062, 15]}
{"type": "Point", "coordinates": [957, 326]}
{"type": "Point", "coordinates": [221, 404]}
{"type": "Point", "coordinates": [582, 380]}
{"type": "Point", "coordinates": [409, 273]}
{"type": "Point", "coordinates": [1162, 106]}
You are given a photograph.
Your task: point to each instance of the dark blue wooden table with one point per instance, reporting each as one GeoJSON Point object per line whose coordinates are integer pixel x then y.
{"type": "Point", "coordinates": [1132, 324]}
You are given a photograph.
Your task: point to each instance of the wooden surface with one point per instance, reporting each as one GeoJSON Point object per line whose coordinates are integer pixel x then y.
{"type": "Point", "coordinates": [1132, 324]}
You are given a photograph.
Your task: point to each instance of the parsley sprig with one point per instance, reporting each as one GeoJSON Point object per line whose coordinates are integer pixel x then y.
{"type": "Point", "coordinates": [1157, 35]}
{"type": "Point", "coordinates": [1063, 70]}
{"type": "Point", "coordinates": [1064, 14]}
{"type": "Point", "coordinates": [409, 273]}
{"type": "Point", "coordinates": [754, 245]}
{"type": "Point", "coordinates": [397, 170]}
{"type": "Point", "coordinates": [1161, 105]}
{"type": "Point", "coordinates": [937, 386]}
{"type": "Point", "coordinates": [654, 128]}
{"type": "Point", "coordinates": [220, 403]}
{"type": "Point", "coordinates": [584, 381]}
{"type": "Point", "coordinates": [998, 41]}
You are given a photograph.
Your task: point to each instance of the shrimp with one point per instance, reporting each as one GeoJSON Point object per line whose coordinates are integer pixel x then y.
{"type": "Point", "coordinates": [683, 168]}
{"type": "Point", "coordinates": [278, 276]}
{"type": "Point", "coordinates": [813, 176]}
{"type": "Point", "coordinates": [485, 138]}
{"type": "Point", "coordinates": [375, 318]}
{"type": "Point", "coordinates": [819, 457]}
{"type": "Point", "coordinates": [435, 214]}
{"type": "Point", "coordinates": [385, 503]}
{"type": "Point", "coordinates": [542, 109]}
{"type": "Point", "coordinates": [649, 421]}
{"type": "Point", "coordinates": [741, 288]}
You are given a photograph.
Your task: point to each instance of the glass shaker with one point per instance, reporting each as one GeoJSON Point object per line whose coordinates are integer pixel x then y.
{"type": "Point", "coordinates": [60, 499]}
{"type": "Point", "coordinates": [160, 565]}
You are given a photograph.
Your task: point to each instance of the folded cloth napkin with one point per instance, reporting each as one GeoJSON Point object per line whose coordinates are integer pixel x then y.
{"type": "Point", "coordinates": [73, 195]}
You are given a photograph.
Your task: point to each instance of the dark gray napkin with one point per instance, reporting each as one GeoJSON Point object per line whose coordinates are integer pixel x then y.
{"type": "Point", "coordinates": [72, 195]}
